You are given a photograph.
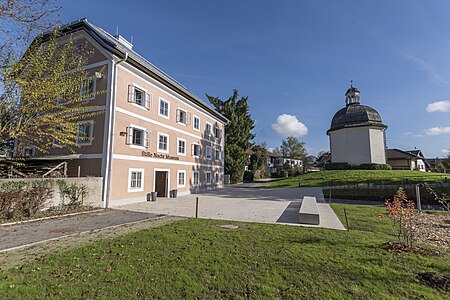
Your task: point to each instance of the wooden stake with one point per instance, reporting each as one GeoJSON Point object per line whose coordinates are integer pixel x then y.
{"type": "Point", "coordinates": [346, 219]}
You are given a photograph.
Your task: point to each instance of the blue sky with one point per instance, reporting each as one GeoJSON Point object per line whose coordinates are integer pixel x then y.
{"type": "Point", "coordinates": [297, 58]}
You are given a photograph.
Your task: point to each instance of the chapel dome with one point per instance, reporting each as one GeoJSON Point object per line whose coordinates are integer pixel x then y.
{"type": "Point", "coordinates": [355, 114]}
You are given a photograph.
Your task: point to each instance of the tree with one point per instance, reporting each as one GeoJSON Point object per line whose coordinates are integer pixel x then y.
{"type": "Point", "coordinates": [258, 160]}
{"type": "Point", "coordinates": [238, 134]}
{"type": "Point", "coordinates": [293, 148]}
{"type": "Point", "coordinates": [41, 86]}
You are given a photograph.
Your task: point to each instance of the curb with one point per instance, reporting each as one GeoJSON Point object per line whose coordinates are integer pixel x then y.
{"type": "Point", "coordinates": [51, 217]}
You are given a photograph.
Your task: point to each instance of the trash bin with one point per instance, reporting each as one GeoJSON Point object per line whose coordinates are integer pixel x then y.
{"type": "Point", "coordinates": [174, 193]}
{"type": "Point", "coordinates": [152, 196]}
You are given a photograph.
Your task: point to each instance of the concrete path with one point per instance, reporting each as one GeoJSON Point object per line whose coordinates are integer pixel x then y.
{"type": "Point", "coordinates": [244, 204]}
{"type": "Point", "coordinates": [29, 233]}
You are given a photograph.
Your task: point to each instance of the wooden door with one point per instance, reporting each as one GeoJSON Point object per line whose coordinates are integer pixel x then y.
{"type": "Point", "coordinates": [161, 183]}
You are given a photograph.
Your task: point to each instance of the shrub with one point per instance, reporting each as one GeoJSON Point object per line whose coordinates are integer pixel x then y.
{"type": "Point", "coordinates": [401, 211]}
{"type": "Point", "coordinates": [74, 192]}
{"type": "Point", "coordinates": [23, 203]}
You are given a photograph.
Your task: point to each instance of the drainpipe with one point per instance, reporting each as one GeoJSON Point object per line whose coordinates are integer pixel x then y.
{"type": "Point", "coordinates": [111, 128]}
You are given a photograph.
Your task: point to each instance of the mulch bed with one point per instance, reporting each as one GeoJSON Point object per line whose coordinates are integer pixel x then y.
{"type": "Point", "coordinates": [400, 248]}
{"type": "Point", "coordinates": [433, 229]}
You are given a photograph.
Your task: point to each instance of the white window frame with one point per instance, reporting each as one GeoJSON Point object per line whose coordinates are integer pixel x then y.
{"type": "Point", "coordinates": [216, 178]}
{"type": "Point", "coordinates": [217, 157]}
{"type": "Point", "coordinates": [94, 88]}
{"type": "Point", "coordinates": [193, 178]}
{"type": "Point", "coordinates": [206, 178]}
{"type": "Point", "coordinates": [162, 150]}
{"type": "Point", "coordinates": [179, 110]}
{"type": "Point", "coordinates": [133, 190]}
{"type": "Point", "coordinates": [217, 136]}
{"type": "Point", "coordinates": [159, 108]}
{"type": "Point", "coordinates": [193, 149]}
{"type": "Point", "coordinates": [208, 150]}
{"type": "Point", "coordinates": [91, 133]}
{"type": "Point", "coordinates": [199, 123]}
{"type": "Point", "coordinates": [148, 97]}
{"type": "Point", "coordinates": [208, 134]}
{"type": "Point", "coordinates": [178, 178]}
{"type": "Point", "coordinates": [145, 138]}
{"type": "Point", "coordinates": [178, 146]}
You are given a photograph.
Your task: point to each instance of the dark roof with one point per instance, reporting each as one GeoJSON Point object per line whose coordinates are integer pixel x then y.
{"type": "Point", "coordinates": [356, 115]}
{"type": "Point", "coordinates": [415, 152]}
{"type": "Point", "coordinates": [351, 89]}
{"type": "Point", "coordinates": [114, 46]}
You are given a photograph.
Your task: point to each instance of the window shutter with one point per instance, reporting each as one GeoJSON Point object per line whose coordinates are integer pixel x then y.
{"type": "Point", "coordinates": [129, 135]}
{"type": "Point", "coordinates": [192, 149]}
{"type": "Point", "coordinates": [188, 119]}
{"type": "Point", "coordinates": [178, 115]}
{"type": "Point", "coordinates": [148, 101]}
{"type": "Point", "coordinates": [146, 137]}
{"type": "Point", "coordinates": [130, 93]}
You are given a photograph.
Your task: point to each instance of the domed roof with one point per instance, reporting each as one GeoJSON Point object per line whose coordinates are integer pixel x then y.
{"type": "Point", "coordinates": [355, 115]}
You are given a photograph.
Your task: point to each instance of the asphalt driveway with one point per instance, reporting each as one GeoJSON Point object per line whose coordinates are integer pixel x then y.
{"type": "Point", "coordinates": [25, 234]}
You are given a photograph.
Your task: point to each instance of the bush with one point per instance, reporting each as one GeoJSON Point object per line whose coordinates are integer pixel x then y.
{"type": "Point", "coordinates": [248, 176]}
{"type": "Point", "coordinates": [75, 193]}
{"type": "Point", "coordinates": [23, 203]}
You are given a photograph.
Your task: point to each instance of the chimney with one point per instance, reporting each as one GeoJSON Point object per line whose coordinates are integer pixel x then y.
{"type": "Point", "coordinates": [123, 41]}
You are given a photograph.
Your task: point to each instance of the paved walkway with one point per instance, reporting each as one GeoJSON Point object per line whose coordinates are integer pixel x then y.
{"type": "Point", "coordinates": [29, 233]}
{"type": "Point", "coordinates": [245, 204]}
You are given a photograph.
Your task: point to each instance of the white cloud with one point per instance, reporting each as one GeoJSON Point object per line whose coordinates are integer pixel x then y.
{"type": "Point", "coordinates": [441, 106]}
{"type": "Point", "coordinates": [445, 151]}
{"type": "Point", "coordinates": [287, 125]}
{"type": "Point", "coordinates": [437, 130]}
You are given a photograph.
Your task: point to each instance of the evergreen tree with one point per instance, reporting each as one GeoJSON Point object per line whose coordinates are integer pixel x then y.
{"type": "Point", "coordinates": [238, 134]}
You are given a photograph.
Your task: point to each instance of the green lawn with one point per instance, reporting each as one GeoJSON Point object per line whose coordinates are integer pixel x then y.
{"type": "Point", "coordinates": [344, 177]}
{"type": "Point", "coordinates": [197, 259]}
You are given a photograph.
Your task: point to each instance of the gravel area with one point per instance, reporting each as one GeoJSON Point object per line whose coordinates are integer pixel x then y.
{"type": "Point", "coordinates": [433, 229]}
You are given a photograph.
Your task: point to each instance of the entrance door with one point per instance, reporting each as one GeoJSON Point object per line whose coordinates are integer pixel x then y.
{"type": "Point", "coordinates": [161, 183]}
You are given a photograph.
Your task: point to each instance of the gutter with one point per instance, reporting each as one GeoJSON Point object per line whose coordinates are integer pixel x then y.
{"type": "Point", "coordinates": [111, 127]}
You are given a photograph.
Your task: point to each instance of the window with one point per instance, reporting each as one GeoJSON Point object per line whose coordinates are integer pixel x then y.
{"type": "Point", "coordinates": [88, 88]}
{"type": "Point", "coordinates": [78, 49]}
{"type": "Point", "coordinates": [135, 180]}
{"type": "Point", "coordinates": [208, 129]}
{"type": "Point", "coordinates": [85, 133]}
{"type": "Point", "coordinates": [196, 150]}
{"type": "Point", "coordinates": [208, 152]}
{"type": "Point", "coordinates": [164, 108]}
{"type": "Point", "coordinates": [56, 142]}
{"type": "Point", "coordinates": [216, 178]}
{"type": "Point", "coordinates": [181, 150]}
{"type": "Point", "coordinates": [181, 178]}
{"type": "Point", "coordinates": [163, 142]}
{"type": "Point", "coordinates": [29, 151]}
{"type": "Point", "coordinates": [196, 123]}
{"type": "Point", "coordinates": [217, 154]}
{"type": "Point", "coordinates": [208, 177]}
{"type": "Point", "coordinates": [183, 117]}
{"type": "Point", "coordinates": [196, 178]}
{"type": "Point", "coordinates": [139, 97]}
{"type": "Point", "coordinates": [137, 136]}
{"type": "Point", "coordinates": [217, 133]}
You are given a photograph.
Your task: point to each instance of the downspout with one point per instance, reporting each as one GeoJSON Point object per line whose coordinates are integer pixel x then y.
{"type": "Point", "coordinates": [111, 128]}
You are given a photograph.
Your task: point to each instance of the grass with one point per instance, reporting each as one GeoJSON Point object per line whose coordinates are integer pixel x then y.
{"type": "Point", "coordinates": [347, 177]}
{"type": "Point", "coordinates": [198, 259]}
